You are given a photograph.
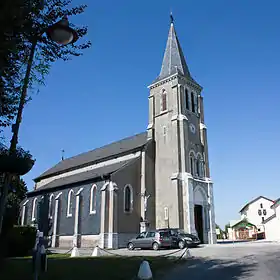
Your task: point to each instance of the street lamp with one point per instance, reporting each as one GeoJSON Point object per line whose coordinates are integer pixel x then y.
{"type": "Point", "coordinates": [62, 34]}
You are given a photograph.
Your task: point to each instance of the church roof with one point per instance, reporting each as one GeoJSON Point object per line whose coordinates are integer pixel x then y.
{"type": "Point", "coordinates": [173, 59]}
{"type": "Point", "coordinates": [84, 176]}
{"type": "Point", "coordinates": [98, 155]}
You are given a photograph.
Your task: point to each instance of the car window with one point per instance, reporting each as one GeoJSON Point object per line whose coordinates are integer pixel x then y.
{"type": "Point", "coordinates": [173, 232]}
{"type": "Point", "coordinates": [164, 234]}
{"type": "Point", "coordinates": [142, 235]}
{"type": "Point", "coordinates": [151, 234]}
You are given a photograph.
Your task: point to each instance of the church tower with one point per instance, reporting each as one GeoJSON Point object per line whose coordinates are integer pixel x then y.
{"type": "Point", "coordinates": [183, 188]}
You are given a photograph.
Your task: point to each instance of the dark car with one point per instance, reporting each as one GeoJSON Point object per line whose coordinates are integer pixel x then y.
{"type": "Point", "coordinates": [154, 239]}
{"type": "Point", "coordinates": [181, 239]}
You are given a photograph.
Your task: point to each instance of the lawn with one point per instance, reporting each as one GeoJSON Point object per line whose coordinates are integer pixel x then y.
{"type": "Point", "coordinates": [62, 267]}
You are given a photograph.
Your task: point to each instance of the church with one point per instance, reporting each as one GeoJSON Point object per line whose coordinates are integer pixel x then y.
{"type": "Point", "coordinates": [156, 179]}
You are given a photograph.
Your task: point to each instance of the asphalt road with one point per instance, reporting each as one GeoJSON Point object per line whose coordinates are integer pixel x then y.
{"type": "Point", "coordinates": [260, 261]}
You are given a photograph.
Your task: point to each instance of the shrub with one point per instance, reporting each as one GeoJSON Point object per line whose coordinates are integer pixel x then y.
{"type": "Point", "coordinates": [19, 241]}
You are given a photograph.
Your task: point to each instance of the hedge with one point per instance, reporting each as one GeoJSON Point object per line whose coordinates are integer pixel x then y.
{"type": "Point", "coordinates": [19, 241]}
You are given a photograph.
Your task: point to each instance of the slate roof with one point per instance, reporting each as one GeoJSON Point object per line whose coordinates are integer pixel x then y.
{"type": "Point", "coordinates": [173, 59]}
{"type": "Point", "coordinates": [254, 200]}
{"type": "Point", "coordinates": [100, 154]}
{"type": "Point", "coordinates": [85, 176]}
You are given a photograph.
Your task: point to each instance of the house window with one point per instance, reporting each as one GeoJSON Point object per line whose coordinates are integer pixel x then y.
{"type": "Point", "coordinates": [187, 99]}
{"type": "Point", "coordinates": [70, 203]}
{"type": "Point", "coordinates": [92, 202]}
{"type": "Point", "coordinates": [51, 200]}
{"type": "Point", "coordinates": [260, 212]}
{"type": "Point", "coordinates": [128, 199]}
{"type": "Point", "coordinates": [34, 209]}
{"type": "Point", "coordinates": [264, 212]}
{"type": "Point", "coordinates": [262, 219]}
{"type": "Point", "coordinates": [192, 102]}
{"type": "Point", "coordinates": [261, 205]}
{"type": "Point", "coordinates": [166, 214]}
{"type": "Point", "coordinates": [163, 101]}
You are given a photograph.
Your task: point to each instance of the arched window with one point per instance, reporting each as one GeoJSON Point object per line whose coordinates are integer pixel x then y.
{"type": "Point", "coordinates": [192, 102]}
{"type": "Point", "coordinates": [51, 203]}
{"type": "Point", "coordinates": [187, 99]}
{"type": "Point", "coordinates": [24, 212]}
{"type": "Point", "coordinates": [200, 166]}
{"type": "Point", "coordinates": [197, 166]}
{"type": "Point", "coordinates": [202, 172]}
{"type": "Point", "coordinates": [163, 101]}
{"type": "Point", "coordinates": [92, 202]}
{"type": "Point", "coordinates": [70, 203]}
{"type": "Point", "coordinates": [128, 199]}
{"type": "Point", "coordinates": [34, 209]}
{"type": "Point", "coordinates": [192, 163]}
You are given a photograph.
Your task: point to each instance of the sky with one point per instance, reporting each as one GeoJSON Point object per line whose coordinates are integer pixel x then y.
{"type": "Point", "coordinates": [232, 49]}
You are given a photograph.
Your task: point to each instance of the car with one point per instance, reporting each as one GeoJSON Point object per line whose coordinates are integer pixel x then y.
{"type": "Point", "coordinates": [153, 239]}
{"type": "Point", "coordinates": [181, 238]}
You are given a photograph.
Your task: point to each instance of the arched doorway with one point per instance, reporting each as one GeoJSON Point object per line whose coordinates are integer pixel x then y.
{"type": "Point", "coordinates": [200, 200]}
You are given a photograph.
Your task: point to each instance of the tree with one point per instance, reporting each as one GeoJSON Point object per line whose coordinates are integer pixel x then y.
{"type": "Point", "coordinates": [17, 193]}
{"type": "Point", "coordinates": [21, 23]}
{"type": "Point", "coordinates": [221, 232]}
{"type": "Point", "coordinates": [227, 226]}
{"type": "Point", "coordinates": [12, 17]}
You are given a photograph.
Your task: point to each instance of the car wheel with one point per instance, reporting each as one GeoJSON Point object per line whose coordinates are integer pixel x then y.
{"type": "Point", "coordinates": [155, 246]}
{"type": "Point", "coordinates": [181, 244]}
{"type": "Point", "coordinates": [130, 246]}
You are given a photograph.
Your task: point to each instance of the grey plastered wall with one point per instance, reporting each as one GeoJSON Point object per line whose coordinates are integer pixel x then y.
{"type": "Point", "coordinates": [150, 182]}
{"type": "Point", "coordinates": [88, 223]}
{"type": "Point", "coordinates": [167, 152]}
{"type": "Point", "coordinates": [130, 174]}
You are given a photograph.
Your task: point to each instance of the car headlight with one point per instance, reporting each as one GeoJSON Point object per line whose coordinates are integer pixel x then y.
{"type": "Point", "coordinates": [188, 239]}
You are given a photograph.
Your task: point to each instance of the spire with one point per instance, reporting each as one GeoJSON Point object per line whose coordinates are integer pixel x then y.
{"type": "Point", "coordinates": [173, 60]}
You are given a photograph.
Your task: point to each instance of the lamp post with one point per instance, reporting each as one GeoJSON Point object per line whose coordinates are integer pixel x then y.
{"type": "Point", "coordinates": [62, 34]}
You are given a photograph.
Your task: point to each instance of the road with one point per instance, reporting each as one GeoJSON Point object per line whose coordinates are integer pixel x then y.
{"type": "Point", "coordinates": [259, 261]}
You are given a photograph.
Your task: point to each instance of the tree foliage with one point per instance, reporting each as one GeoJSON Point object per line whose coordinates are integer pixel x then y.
{"type": "Point", "coordinates": [17, 192]}
{"type": "Point", "coordinates": [21, 23]}
{"type": "Point", "coordinates": [227, 226]}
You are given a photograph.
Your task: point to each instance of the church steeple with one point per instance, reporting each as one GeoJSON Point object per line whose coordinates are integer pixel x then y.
{"type": "Point", "coordinates": [173, 60]}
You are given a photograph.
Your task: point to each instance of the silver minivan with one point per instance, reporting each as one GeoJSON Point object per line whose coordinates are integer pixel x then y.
{"type": "Point", "coordinates": [154, 239]}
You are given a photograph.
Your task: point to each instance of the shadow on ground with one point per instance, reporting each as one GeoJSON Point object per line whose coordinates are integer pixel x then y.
{"type": "Point", "coordinates": [213, 269]}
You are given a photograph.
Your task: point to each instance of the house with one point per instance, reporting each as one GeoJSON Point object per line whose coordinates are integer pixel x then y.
{"type": "Point", "coordinates": [154, 179]}
{"type": "Point", "coordinates": [241, 229]}
{"type": "Point", "coordinates": [253, 216]}
{"type": "Point", "coordinates": [272, 223]}
{"type": "Point", "coordinates": [257, 210]}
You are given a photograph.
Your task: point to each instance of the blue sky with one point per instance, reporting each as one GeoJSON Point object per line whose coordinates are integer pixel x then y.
{"type": "Point", "coordinates": [232, 49]}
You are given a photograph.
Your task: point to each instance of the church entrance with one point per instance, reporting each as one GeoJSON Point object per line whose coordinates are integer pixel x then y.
{"type": "Point", "coordinates": [198, 218]}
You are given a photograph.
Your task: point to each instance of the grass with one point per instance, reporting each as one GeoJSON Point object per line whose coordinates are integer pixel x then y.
{"type": "Point", "coordinates": [102, 268]}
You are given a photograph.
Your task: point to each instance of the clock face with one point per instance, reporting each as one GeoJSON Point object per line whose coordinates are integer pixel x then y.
{"type": "Point", "coordinates": [192, 128]}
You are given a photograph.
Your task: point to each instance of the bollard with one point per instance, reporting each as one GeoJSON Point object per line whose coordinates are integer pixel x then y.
{"type": "Point", "coordinates": [96, 252]}
{"type": "Point", "coordinates": [186, 254]}
{"type": "Point", "coordinates": [145, 272]}
{"type": "Point", "coordinates": [75, 252]}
